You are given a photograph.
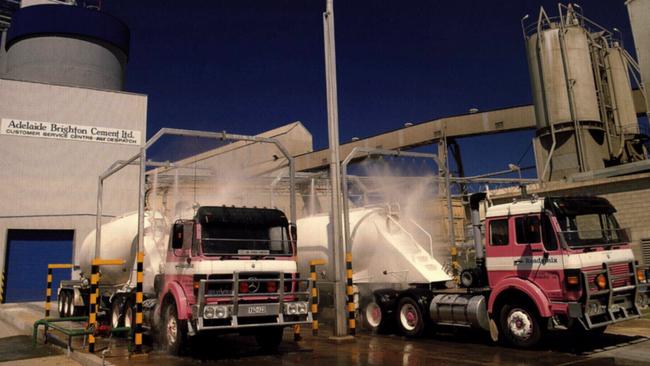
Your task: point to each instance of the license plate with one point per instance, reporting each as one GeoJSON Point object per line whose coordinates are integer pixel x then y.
{"type": "Point", "coordinates": [260, 309]}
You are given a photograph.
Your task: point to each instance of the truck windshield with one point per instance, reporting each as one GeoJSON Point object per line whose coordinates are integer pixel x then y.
{"type": "Point", "coordinates": [248, 240]}
{"type": "Point", "coordinates": [591, 229]}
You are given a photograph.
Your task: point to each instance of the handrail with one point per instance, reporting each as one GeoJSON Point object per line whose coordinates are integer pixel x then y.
{"type": "Point", "coordinates": [425, 233]}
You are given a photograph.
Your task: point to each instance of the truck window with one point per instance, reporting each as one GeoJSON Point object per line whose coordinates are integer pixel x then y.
{"type": "Point", "coordinates": [528, 230]}
{"type": "Point", "coordinates": [550, 241]}
{"type": "Point", "coordinates": [499, 232]}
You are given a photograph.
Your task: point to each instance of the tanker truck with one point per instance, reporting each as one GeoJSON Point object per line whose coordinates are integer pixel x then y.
{"type": "Point", "coordinates": [541, 264]}
{"type": "Point", "coordinates": [224, 269]}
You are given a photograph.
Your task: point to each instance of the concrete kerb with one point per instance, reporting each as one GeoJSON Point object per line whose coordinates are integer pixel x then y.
{"type": "Point", "coordinates": [88, 359]}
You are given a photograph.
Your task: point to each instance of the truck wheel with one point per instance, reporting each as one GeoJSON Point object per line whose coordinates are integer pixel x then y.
{"type": "Point", "coordinates": [409, 317]}
{"type": "Point", "coordinates": [269, 338]}
{"type": "Point", "coordinates": [174, 330]}
{"type": "Point", "coordinates": [60, 302]}
{"type": "Point", "coordinates": [373, 318]}
{"type": "Point", "coordinates": [520, 325]}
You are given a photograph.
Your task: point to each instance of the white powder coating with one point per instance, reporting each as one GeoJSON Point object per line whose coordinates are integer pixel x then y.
{"type": "Point", "coordinates": [119, 241]}
{"type": "Point", "coordinates": [383, 251]}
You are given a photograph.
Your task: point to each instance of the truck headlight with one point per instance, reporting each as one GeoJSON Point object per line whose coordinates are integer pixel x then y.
{"type": "Point", "coordinates": [296, 308]}
{"type": "Point", "coordinates": [594, 308]}
{"type": "Point", "coordinates": [302, 308]}
{"type": "Point", "coordinates": [642, 300]}
{"type": "Point", "coordinates": [216, 312]}
{"type": "Point", "coordinates": [290, 308]}
{"type": "Point", "coordinates": [221, 312]}
{"type": "Point", "coordinates": [208, 312]}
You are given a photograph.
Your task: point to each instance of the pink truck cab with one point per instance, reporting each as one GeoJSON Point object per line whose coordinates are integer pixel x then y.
{"type": "Point", "coordinates": [231, 270]}
{"type": "Point", "coordinates": [554, 263]}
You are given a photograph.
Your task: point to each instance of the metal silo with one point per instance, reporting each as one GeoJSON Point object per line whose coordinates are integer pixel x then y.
{"type": "Point", "coordinates": [67, 44]}
{"type": "Point", "coordinates": [582, 95]}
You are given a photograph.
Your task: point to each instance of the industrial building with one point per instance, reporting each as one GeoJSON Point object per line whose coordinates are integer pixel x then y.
{"type": "Point", "coordinates": [65, 119]}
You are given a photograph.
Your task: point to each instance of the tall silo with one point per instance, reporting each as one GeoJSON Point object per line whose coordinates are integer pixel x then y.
{"type": "Point", "coordinates": [639, 11]}
{"type": "Point", "coordinates": [68, 45]}
{"type": "Point", "coordinates": [570, 134]}
{"type": "Point", "coordinates": [582, 95]}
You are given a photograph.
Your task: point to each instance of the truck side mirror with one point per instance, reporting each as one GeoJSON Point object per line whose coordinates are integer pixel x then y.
{"type": "Point", "coordinates": [177, 236]}
{"type": "Point", "coordinates": [293, 231]}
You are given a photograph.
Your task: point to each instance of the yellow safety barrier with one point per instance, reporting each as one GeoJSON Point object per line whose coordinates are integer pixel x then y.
{"type": "Point", "coordinates": [314, 293]}
{"type": "Point", "coordinates": [94, 296]}
{"type": "Point", "coordinates": [48, 290]}
{"type": "Point", "coordinates": [352, 325]}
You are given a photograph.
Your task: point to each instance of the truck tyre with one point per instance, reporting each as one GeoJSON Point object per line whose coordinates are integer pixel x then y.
{"type": "Point", "coordinates": [61, 303]}
{"type": "Point", "coordinates": [174, 330]}
{"type": "Point", "coordinates": [129, 320]}
{"type": "Point", "coordinates": [117, 320]}
{"type": "Point", "coordinates": [409, 317]}
{"type": "Point", "coordinates": [269, 338]}
{"type": "Point", "coordinates": [69, 304]}
{"type": "Point", "coordinates": [520, 325]}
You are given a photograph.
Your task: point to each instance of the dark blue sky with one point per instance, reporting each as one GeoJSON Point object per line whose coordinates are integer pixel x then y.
{"type": "Point", "coordinates": [248, 66]}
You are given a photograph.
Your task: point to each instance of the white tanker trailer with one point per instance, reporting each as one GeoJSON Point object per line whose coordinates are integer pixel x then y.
{"type": "Point", "coordinates": [388, 251]}
{"type": "Point", "coordinates": [119, 241]}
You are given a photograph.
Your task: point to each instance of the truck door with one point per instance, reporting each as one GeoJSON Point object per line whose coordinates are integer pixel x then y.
{"type": "Point", "coordinates": [540, 259]}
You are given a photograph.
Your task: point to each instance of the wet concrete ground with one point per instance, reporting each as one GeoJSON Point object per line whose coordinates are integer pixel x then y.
{"type": "Point", "coordinates": [624, 344]}
{"type": "Point", "coordinates": [447, 347]}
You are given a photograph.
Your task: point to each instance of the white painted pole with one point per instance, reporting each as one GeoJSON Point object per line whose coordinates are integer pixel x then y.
{"type": "Point", "coordinates": [338, 249]}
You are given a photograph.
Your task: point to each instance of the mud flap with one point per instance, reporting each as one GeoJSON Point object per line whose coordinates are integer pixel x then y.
{"type": "Point", "coordinates": [494, 331]}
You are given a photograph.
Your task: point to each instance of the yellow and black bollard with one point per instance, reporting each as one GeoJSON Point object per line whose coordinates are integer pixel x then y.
{"type": "Point", "coordinates": [352, 324]}
{"type": "Point", "coordinates": [92, 311]}
{"type": "Point", "coordinates": [138, 303]}
{"type": "Point", "coordinates": [2, 286]}
{"type": "Point", "coordinates": [94, 296]}
{"type": "Point", "coordinates": [48, 290]}
{"type": "Point", "coordinates": [314, 294]}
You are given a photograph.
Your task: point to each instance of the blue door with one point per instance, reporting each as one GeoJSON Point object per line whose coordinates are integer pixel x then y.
{"type": "Point", "coordinates": [28, 254]}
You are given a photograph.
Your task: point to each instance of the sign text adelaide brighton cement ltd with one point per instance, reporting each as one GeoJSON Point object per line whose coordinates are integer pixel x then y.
{"type": "Point", "coordinates": [51, 130]}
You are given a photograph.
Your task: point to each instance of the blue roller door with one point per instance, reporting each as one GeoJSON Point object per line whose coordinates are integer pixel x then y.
{"type": "Point", "coordinates": [28, 254]}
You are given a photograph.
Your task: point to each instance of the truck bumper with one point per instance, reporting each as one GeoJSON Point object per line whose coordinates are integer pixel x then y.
{"type": "Point", "coordinates": [236, 311]}
{"type": "Point", "coordinates": [613, 304]}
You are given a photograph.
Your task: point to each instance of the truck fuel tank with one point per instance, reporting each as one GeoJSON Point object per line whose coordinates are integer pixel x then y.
{"type": "Point", "coordinates": [460, 310]}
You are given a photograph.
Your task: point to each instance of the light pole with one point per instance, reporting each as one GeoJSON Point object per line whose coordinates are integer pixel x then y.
{"type": "Point", "coordinates": [338, 249]}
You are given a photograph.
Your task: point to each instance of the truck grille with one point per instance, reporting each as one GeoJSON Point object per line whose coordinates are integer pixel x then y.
{"type": "Point", "coordinates": [620, 273]}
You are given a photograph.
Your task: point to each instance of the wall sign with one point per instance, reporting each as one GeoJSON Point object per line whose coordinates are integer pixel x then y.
{"type": "Point", "coordinates": [51, 130]}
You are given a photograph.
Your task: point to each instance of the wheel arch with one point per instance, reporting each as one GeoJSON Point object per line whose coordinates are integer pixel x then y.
{"type": "Point", "coordinates": [174, 293]}
{"type": "Point", "coordinates": [522, 289]}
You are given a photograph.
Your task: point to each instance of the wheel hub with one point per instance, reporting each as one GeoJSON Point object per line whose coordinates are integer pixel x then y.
{"type": "Point", "coordinates": [171, 330]}
{"type": "Point", "coordinates": [520, 324]}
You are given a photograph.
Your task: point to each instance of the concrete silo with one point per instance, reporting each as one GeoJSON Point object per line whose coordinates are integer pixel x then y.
{"type": "Point", "coordinates": [67, 45]}
{"type": "Point", "coordinates": [582, 95]}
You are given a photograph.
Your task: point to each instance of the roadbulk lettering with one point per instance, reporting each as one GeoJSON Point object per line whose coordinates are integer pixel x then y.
{"type": "Point", "coordinates": [537, 260]}
{"type": "Point", "coordinates": [16, 127]}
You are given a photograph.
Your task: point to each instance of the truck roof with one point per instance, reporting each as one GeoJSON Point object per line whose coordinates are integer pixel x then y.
{"type": "Point", "coordinates": [533, 205]}
{"type": "Point", "coordinates": [575, 205]}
